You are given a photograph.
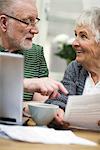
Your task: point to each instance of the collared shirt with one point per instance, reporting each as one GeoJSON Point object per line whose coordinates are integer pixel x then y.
{"type": "Point", "coordinates": [34, 64]}
{"type": "Point", "coordinates": [90, 87]}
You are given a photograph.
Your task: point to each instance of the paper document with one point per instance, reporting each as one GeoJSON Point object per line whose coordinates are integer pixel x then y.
{"type": "Point", "coordinates": [43, 135]}
{"type": "Point", "coordinates": [83, 111]}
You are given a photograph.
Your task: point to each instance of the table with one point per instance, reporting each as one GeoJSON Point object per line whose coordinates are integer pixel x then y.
{"type": "Point", "coordinates": [6, 144]}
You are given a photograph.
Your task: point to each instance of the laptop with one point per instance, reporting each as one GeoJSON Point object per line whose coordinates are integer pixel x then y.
{"type": "Point", "coordinates": [11, 88]}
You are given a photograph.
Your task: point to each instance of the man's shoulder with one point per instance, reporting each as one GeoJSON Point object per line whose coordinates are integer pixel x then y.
{"type": "Point", "coordinates": [2, 49]}
{"type": "Point", "coordinates": [35, 50]}
{"type": "Point", "coordinates": [37, 47]}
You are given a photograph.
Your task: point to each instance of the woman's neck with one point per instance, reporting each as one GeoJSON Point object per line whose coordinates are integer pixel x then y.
{"type": "Point", "coordinates": [94, 70]}
{"type": "Point", "coordinates": [95, 77]}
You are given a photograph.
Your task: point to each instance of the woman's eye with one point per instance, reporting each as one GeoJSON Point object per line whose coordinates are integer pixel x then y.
{"type": "Point", "coordinates": [75, 34]}
{"type": "Point", "coordinates": [83, 36]}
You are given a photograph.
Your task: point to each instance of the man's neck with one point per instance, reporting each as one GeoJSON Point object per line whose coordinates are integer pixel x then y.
{"type": "Point", "coordinates": [4, 44]}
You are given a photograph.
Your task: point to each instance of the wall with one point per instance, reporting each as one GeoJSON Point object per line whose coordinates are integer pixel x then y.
{"type": "Point", "coordinates": [91, 3]}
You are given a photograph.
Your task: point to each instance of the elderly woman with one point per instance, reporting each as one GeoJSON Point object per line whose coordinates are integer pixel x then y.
{"type": "Point", "coordinates": [82, 76]}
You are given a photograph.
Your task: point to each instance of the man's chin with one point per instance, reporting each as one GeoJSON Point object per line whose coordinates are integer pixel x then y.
{"type": "Point", "coordinates": [26, 47]}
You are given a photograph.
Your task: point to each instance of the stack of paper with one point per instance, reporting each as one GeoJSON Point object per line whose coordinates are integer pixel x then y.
{"type": "Point", "coordinates": [43, 135]}
{"type": "Point", "coordinates": [83, 111]}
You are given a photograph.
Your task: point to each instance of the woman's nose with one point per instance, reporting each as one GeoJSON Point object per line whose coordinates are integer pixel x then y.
{"type": "Point", "coordinates": [75, 43]}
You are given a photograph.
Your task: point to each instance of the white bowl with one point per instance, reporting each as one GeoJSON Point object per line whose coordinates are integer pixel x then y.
{"type": "Point", "coordinates": [42, 113]}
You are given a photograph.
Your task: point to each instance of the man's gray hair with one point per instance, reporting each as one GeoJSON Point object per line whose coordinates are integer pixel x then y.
{"type": "Point", "coordinates": [91, 18]}
{"type": "Point", "coordinates": [5, 5]}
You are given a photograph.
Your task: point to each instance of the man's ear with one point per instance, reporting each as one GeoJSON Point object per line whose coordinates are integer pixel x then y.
{"type": "Point", "coordinates": [3, 23]}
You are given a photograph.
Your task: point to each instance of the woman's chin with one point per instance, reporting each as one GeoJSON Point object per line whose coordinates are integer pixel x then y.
{"type": "Point", "coordinates": [79, 60]}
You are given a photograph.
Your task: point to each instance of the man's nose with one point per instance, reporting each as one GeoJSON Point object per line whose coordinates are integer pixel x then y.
{"type": "Point", "coordinates": [34, 30]}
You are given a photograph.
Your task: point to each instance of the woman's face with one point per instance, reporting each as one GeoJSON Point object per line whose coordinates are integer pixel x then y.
{"type": "Point", "coordinates": [87, 49]}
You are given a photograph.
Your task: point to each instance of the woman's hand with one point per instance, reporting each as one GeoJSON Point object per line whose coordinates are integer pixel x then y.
{"type": "Point", "coordinates": [58, 121]}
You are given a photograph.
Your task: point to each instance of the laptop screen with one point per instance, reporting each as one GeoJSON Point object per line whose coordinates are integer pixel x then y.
{"type": "Point", "coordinates": [11, 88]}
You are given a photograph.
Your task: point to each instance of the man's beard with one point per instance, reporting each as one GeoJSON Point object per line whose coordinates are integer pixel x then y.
{"type": "Point", "coordinates": [19, 44]}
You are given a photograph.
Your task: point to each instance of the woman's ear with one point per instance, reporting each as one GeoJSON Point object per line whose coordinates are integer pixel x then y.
{"type": "Point", "coordinates": [3, 23]}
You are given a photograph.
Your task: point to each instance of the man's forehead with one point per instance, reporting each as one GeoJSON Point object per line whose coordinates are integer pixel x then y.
{"type": "Point", "coordinates": [23, 7]}
{"type": "Point", "coordinates": [25, 1]}
{"type": "Point", "coordinates": [21, 3]}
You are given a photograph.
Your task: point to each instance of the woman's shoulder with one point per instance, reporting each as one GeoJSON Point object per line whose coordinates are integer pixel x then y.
{"type": "Point", "coordinates": [75, 65]}
{"type": "Point", "coordinates": [76, 68]}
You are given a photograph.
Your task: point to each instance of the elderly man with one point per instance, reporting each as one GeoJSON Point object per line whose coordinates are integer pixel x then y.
{"type": "Point", "coordinates": [17, 28]}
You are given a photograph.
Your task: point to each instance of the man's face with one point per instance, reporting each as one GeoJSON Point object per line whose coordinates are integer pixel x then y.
{"type": "Point", "coordinates": [19, 35]}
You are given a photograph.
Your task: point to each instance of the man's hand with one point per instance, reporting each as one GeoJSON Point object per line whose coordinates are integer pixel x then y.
{"type": "Point", "coordinates": [44, 86]}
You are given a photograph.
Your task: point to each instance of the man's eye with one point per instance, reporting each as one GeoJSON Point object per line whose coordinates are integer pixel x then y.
{"type": "Point", "coordinates": [26, 21]}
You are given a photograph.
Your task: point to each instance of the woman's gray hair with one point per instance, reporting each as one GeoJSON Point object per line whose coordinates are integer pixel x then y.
{"type": "Point", "coordinates": [91, 18]}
